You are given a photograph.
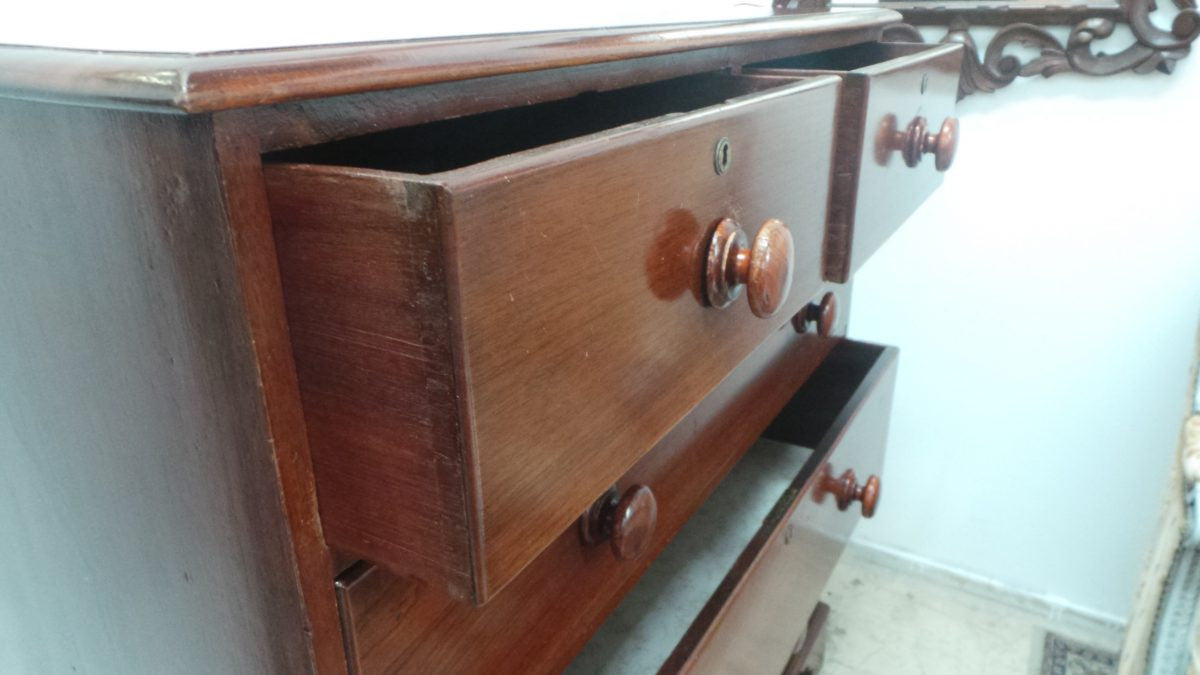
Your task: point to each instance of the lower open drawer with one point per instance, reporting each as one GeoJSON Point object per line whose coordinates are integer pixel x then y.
{"type": "Point", "coordinates": [734, 589]}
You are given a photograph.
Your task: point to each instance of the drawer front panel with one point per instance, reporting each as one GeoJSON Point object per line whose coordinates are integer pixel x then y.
{"type": "Point", "coordinates": [923, 82]}
{"type": "Point", "coordinates": [754, 620]}
{"type": "Point", "coordinates": [886, 86]}
{"type": "Point", "coordinates": [403, 624]}
{"type": "Point", "coordinates": [545, 308]}
{"type": "Point", "coordinates": [582, 329]}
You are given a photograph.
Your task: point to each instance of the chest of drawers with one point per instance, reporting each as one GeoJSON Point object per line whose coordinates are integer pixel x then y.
{"type": "Point", "coordinates": [463, 338]}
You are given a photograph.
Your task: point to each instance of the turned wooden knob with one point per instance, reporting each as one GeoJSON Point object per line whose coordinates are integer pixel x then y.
{"type": "Point", "coordinates": [627, 521]}
{"type": "Point", "coordinates": [822, 314]}
{"type": "Point", "coordinates": [916, 141]}
{"type": "Point", "coordinates": [943, 144]}
{"type": "Point", "coordinates": [763, 267]}
{"type": "Point", "coordinates": [846, 490]}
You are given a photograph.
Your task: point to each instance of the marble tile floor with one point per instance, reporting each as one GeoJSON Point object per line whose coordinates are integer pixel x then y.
{"type": "Point", "coordinates": [892, 617]}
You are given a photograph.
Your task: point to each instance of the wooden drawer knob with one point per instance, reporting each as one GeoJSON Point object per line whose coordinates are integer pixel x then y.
{"type": "Point", "coordinates": [821, 314]}
{"type": "Point", "coordinates": [627, 521]}
{"type": "Point", "coordinates": [917, 141]}
{"type": "Point", "coordinates": [846, 490]}
{"type": "Point", "coordinates": [764, 267]}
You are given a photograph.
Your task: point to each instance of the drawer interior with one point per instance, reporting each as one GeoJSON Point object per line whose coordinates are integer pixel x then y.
{"type": "Point", "coordinates": [680, 599]}
{"type": "Point", "coordinates": [645, 628]}
{"type": "Point", "coordinates": [454, 143]}
{"type": "Point", "coordinates": [845, 59]}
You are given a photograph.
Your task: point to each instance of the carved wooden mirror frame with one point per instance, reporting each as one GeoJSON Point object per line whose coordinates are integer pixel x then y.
{"type": "Point", "coordinates": [1025, 22]}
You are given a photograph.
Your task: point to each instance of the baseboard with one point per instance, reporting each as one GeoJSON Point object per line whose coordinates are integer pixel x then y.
{"type": "Point", "coordinates": [1055, 609]}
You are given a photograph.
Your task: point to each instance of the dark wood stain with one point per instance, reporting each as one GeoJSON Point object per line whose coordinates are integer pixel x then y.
{"type": "Point", "coordinates": [143, 479]}
{"type": "Point", "coordinates": [401, 623]}
{"type": "Point", "coordinates": [524, 360]}
{"type": "Point", "coordinates": [432, 355]}
{"type": "Point", "coordinates": [884, 86]}
{"type": "Point", "coordinates": [253, 245]}
{"type": "Point", "coordinates": [223, 80]}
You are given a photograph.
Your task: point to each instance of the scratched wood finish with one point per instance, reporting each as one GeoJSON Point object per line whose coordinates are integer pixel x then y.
{"type": "Point", "coordinates": [752, 622]}
{"type": "Point", "coordinates": [312, 121]}
{"type": "Point", "coordinates": [508, 326]}
{"type": "Point", "coordinates": [537, 625]}
{"type": "Point", "coordinates": [239, 164]}
{"type": "Point", "coordinates": [214, 81]}
{"type": "Point", "coordinates": [873, 190]}
{"type": "Point", "coordinates": [143, 528]}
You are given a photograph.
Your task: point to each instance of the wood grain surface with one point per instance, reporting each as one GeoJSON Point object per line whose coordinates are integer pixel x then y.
{"type": "Point", "coordinates": [223, 80]}
{"type": "Point", "coordinates": [143, 528]}
{"type": "Point", "coordinates": [403, 624]}
{"type": "Point", "coordinates": [502, 325]}
{"type": "Point", "coordinates": [885, 85]}
{"type": "Point", "coordinates": [255, 261]}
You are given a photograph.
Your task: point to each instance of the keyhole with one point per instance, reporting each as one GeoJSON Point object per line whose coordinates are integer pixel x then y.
{"type": "Point", "coordinates": [722, 156]}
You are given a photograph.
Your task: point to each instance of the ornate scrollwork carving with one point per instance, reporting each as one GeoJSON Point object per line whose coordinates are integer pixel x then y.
{"type": "Point", "coordinates": [994, 67]}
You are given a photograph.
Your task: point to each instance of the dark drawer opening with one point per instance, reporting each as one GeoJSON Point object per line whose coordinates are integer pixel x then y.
{"type": "Point", "coordinates": [849, 58]}
{"type": "Point", "coordinates": [454, 143]}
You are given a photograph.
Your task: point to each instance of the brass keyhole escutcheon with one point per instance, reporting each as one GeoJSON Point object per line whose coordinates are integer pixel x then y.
{"type": "Point", "coordinates": [722, 156]}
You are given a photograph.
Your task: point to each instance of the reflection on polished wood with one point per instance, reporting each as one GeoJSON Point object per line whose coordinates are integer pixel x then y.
{"type": "Point", "coordinates": [883, 87]}
{"type": "Point", "coordinates": [626, 521]}
{"type": "Point", "coordinates": [545, 616]}
{"type": "Point", "coordinates": [226, 80]}
{"type": "Point", "coordinates": [421, 304]}
{"type": "Point", "coordinates": [765, 268]}
{"type": "Point", "coordinates": [457, 433]}
{"type": "Point", "coordinates": [823, 314]}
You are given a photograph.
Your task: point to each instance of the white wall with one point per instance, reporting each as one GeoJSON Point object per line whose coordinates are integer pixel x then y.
{"type": "Point", "coordinates": [1045, 301]}
{"type": "Point", "coordinates": [151, 25]}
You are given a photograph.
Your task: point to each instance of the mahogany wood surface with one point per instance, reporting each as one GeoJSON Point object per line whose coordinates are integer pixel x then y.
{"type": "Point", "coordinates": [405, 624]}
{"type": "Point", "coordinates": [240, 170]}
{"type": "Point", "coordinates": [144, 526]}
{"type": "Point", "coordinates": [312, 121]}
{"type": "Point", "coordinates": [752, 622]}
{"type": "Point", "coordinates": [381, 402]}
{"type": "Point", "coordinates": [211, 425]}
{"type": "Point", "coordinates": [885, 86]}
{"type": "Point", "coordinates": [209, 82]}
{"type": "Point", "coordinates": [484, 349]}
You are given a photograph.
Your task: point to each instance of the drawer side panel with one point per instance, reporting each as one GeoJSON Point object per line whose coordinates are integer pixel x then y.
{"type": "Point", "coordinates": [361, 263]}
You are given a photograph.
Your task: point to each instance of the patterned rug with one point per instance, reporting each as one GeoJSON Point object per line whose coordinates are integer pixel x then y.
{"type": "Point", "coordinates": [1062, 656]}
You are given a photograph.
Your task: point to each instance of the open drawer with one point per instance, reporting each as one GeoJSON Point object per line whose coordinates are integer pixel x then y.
{"type": "Point", "coordinates": [494, 317]}
{"type": "Point", "coordinates": [733, 591]}
{"type": "Point", "coordinates": [395, 623]}
{"type": "Point", "coordinates": [897, 106]}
